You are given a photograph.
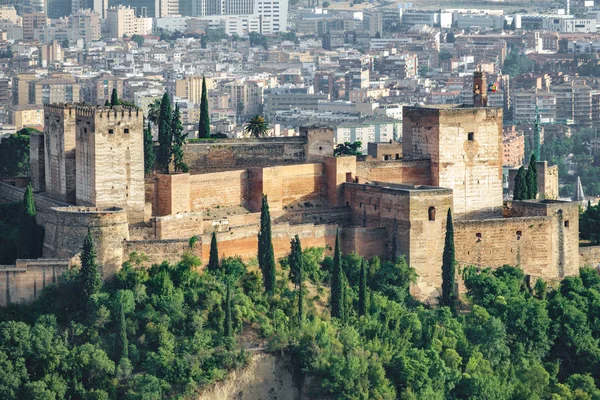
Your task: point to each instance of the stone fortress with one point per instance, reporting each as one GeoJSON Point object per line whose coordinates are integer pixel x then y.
{"type": "Point", "coordinates": [87, 171]}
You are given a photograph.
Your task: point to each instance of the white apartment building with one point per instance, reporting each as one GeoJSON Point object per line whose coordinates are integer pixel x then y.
{"type": "Point", "coordinates": [122, 21]}
{"type": "Point", "coordinates": [9, 13]}
{"type": "Point", "coordinates": [369, 131]}
{"type": "Point", "coordinates": [569, 25]}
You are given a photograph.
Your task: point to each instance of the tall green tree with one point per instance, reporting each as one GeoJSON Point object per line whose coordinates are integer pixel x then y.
{"type": "Point", "coordinates": [449, 265]}
{"type": "Point", "coordinates": [257, 126]}
{"type": "Point", "coordinates": [227, 329]}
{"type": "Point", "coordinates": [28, 232]}
{"type": "Point", "coordinates": [520, 191]}
{"type": "Point", "coordinates": [149, 154]}
{"type": "Point", "coordinates": [531, 179]}
{"type": "Point", "coordinates": [178, 141]}
{"type": "Point", "coordinates": [165, 134]}
{"type": "Point", "coordinates": [114, 98]}
{"type": "Point", "coordinates": [89, 278]}
{"type": "Point", "coordinates": [154, 111]}
{"type": "Point", "coordinates": [14, 153]}
{"type": "Point", "coordinates": [362, 290]}
{"type": "Point", "coordinates": [296, 261]}
{"type": "Point", "coordinates": [107, 103]}
{"type": "Point", "coordinates": [121, 341]}
{"type": "Point", "coordinates": [337, 281]}
{"type": "Point", "coordinates": [266, 255]}
{"type": "Point", "coordinates": [204, 125]}
{"type": "Point", "coordinates": [213, 259]}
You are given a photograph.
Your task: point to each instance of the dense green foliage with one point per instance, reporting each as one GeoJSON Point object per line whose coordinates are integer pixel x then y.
{"type": "Point", "coordinates": [178, 141]}
{"type": "Point", "coordinates": [517, 64]}
{"type": "Point", "coordinates": [213, 257]}
{"type": "Point", "coordinates": [589, 224]}
{"type": "Point", "coordinates": [14, 153]}
{"type": "Point", "coordinates": [520, 192]}
{"type": "Point", "coordinates": [266, 255]}
{"type": "Point", "coordinates": [362, 290]}
{"type": "Point", "coordinates": [204, 124]}
{"type": "Point", "coordinates": [149, 154]}
{"type": "Point", "coordinates": [20, 236]}
{"type": "Point", "coordinates": [114, 98]}
{"type": "Point", "coordinates": [449, 265]}
{"type": "Point", "coordinates": [531, 179]}
{"type": "Point", "coordinates": [167, 331]}
{"type": "Point", "coordinates": [337, 281]}
{"type": "Point", "coordinates": [90, 281]}
{"type": "Point", "coordinates": [165, 134]}
{"type": "Point", "coordinates": [348, 149]}
{"type": "Point", "coordinates": [296, 274]}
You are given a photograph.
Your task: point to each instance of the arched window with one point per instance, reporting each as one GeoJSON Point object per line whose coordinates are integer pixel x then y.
{"type": "Point", "coordinates": [431, 213]}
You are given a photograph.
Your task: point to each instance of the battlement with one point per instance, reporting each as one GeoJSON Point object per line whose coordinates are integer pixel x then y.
{"type": "Point", "coordinates": [117, 112]}
{"type": "Point", "coordinates": [89, 210]}
{"type": "Point", "coordinates": [60, 108]}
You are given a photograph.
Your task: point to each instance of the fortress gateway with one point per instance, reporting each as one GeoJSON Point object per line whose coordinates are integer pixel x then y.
{"type": "Point", "coordinates": [87, 170]}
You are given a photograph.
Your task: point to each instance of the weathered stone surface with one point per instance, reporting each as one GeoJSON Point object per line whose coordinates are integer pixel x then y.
{"type": "Point", "coordinates": [465, 148]}
{"type": "Point", "coordinates": [234, 154]}
{"type": "Point", "coordinates": [59, 148]}
{"type": "Point", "coordinates": [24, 281]}
{"type": "Point", "coordinates": [110, 159]}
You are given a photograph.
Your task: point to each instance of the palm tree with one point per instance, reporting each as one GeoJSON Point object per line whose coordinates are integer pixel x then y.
{"type": "Point", "coordinates": [257, 126]}
{"type": "Point", "coordinates": [154, 112]}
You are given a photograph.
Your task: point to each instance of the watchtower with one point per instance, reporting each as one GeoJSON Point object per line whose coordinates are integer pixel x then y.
{"type": "Point", "coordinates": [110, 159]}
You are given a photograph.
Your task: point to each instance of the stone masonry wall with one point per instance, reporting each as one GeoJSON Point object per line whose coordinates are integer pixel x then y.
{"type": "Point", "coordinates": [59, 147]}
{"type": "Point", "coordinates": [110, 159]}
{"type": "Point", "coordinates": [178, 226]}
{"type": "Point", "coordinates": [24, 281]}
{"type": "Point", "coordinates": [158, 251]}
{"type": "Point", "coordinates": [218, 189]}
{"type": "Point", "coordinates": [67, 227]}
{"type": "Point", "coordinates": [412, 172]}
{"type": "Point", "coordinates": [234, 154]}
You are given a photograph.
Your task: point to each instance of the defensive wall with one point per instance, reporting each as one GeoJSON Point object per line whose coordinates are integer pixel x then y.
{"type": "Point", "coordinates": [311, 185]}
{"type": "Point", "coordinates": [404, 171]}
{"type": "Point", "coordinates": [25, 280]}
{"type": "Point", "coordinates": [215, 155]}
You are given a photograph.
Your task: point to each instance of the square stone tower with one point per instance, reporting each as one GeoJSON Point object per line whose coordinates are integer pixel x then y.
{"type": "Point", "coordinates": [59, 152]}
{"type": "Point", "coordinates": [110, 159]}
{"type": "Point", "coordinates": [465, 148]}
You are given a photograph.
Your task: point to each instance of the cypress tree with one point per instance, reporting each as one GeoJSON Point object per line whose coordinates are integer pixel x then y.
{"type": "Point", "coordinates": [213, 259]}
{"type": "Point", "coordinates": [149, 155]}
{"type": "Point", "coordinates": [121, 342]}
{"type": "Point", "coordinates": [531, 179]}
{"type": "Point", "coordinates": [266, 255]}
{"type": "Point", "coordinates": [227, 331]}
{"type": "Point", "coordinates": [114, 98]}
{"type": "Point", "coordinates": [107, 103]}
{"type": "Point", "coordinates": [337, 281]}
{"type": "Point", "coordinates": [520, 192]}
{"type": "Point", "coordinates": [28, 237]}
{"type": "Point", "coordinates": [165, 134]}
{"type": "Point", "coordinates": [296, 266]}
{"type": "Point", "coordinates": [89, 277]}
{"type": "Point", "coordinates": [204, 126]}
{"type": "Point", "coordinates": [362, 290]}
{"type": "Point", "coordinates": [178, 141]}
{"type": "Point", "coordinates": [448, 265]}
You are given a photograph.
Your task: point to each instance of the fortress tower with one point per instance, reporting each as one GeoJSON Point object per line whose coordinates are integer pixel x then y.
{"type": "Point", "coordinates": [464, 145]}
{"type": "Point", "coordinates": [110, 159]}
{"type": "Point", "coordinates": [59, 152]}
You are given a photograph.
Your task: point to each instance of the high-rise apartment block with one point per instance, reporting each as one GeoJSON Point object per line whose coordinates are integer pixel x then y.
{"type": "Point", "coordinates": [573, 103]}
{"type": "Point", "coordinates": [31, 23]}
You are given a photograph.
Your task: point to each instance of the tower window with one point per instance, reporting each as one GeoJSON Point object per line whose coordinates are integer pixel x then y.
{"type": "Point", "coordinates": [478, 236]}
{"type": "Point", "coordinates": [566, 223]}
{"type": "Point", "coordinates": [519, 234]}
{"type": "Point", "coordinates": [471, 136]}
{"type": "Point", "coordinates": [111, 131]}
{"type": "Point", "coordinates": [431, 213]}
{"type": "Point", "coordinates": [126, 130]}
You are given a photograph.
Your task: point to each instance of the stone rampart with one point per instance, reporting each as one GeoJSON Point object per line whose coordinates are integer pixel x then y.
{"type": "Point", "coordinates": [158, 251]}
{"type": "Point", "coordinates": [412, 172]}
{"type": "Point", "coordinates": [234, 154]}
{"type": "Point", "coordinates": [67, 227]}
{"type": "Point", "coordinates": [589, 256]}
{"type": "Point", "coordinates": [222, 189]}
{"type": "Point", "coordinates": [24, 281]}
{"type": "Point", "coordinates": [43, 204]}
{"type": "Point", "coordinates": [178, 226]}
